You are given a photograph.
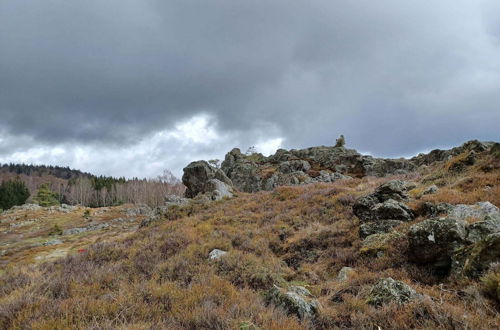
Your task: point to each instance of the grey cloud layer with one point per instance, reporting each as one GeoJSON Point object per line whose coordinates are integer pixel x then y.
{"type": "Point", "coordinates": [395, 77]}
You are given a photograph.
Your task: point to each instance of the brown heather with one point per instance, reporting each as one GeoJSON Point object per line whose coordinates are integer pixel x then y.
{"type": "Point", "coordinates": [159, 277]}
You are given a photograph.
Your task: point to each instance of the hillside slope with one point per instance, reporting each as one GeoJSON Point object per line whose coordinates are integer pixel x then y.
{"type": "Point", "coordinates": [278, 267]}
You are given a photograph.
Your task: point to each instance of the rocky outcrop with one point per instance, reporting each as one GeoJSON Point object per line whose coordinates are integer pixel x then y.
{"type": "Point", "coordinates": [294, 300]}
{"type": "Point", "coordinates": [255, 172]}
{"type": "Point", "coordinates": [385, 203]}
{"type": "Point", "coordinates": [200, 178]}
{"type": "Point", "coordinates": [251, 173]}
{"type": "Point", "coordinates": [388, 290]}
{"type": "Point", "coordinates": [438, 155]}
{"type": "Point", "coordinates": [383, 210]}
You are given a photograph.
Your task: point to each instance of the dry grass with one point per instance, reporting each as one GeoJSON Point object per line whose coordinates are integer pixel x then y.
{"type": "Point", "coordinates": [160, 276]}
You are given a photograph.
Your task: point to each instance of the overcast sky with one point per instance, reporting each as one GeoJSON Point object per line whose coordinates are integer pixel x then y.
{"type": "Point", "coordinates": [132, 87]}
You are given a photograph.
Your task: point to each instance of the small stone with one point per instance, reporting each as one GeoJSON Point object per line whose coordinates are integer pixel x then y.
{"type": "Point", "coordinates": [431, 190]}
{"type": "Point", "coordinates": [295, 300]}
{"type": "Point", "coordinates": [53, 242]}
{"type": "Point", "coordinates": [388, 290]}
{"type": "Point", "coordinates": [345, 273]}
{"type": "Point", "coordinates": [216, 254]}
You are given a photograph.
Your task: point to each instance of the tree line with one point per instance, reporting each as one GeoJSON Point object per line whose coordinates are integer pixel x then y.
{"type": "Point", "coordinates": [75, 187]}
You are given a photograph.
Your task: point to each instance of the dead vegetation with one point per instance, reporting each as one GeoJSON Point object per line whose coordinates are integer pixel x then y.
{"type": "Point", "coordinates": [160, 276]}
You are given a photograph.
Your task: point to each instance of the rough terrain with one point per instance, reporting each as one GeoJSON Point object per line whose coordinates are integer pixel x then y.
{"type": "Point", "coordinates": [417, 248]}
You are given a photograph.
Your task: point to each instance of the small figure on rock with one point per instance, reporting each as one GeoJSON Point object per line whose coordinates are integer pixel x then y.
{"type": "Point", "coordinates": [340, 142]}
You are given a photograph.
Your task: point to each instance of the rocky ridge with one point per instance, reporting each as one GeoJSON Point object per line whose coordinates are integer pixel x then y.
{"type": "Point", "coordinates": [255, 172]}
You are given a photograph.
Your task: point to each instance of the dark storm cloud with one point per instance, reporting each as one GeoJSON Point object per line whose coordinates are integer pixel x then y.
{"type": "Point", "coordinates": [394, 77]}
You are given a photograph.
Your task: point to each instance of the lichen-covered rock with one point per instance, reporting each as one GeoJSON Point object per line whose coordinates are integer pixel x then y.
{"type": "Point", "coordinates": [478, 210]}
{"type": "Point", "coordinates": [388, 290]}
{"type": "Point", "coordinates": [139, 209]}
{"type": "Point", "coordinates": [394, 189]}
{"type": "Point", "coordinates": [433, 210]}
{"type": "Point", "coordinates": [345, 273]}
{"type": "Point", "coordinates": [218, 189]}
{"type": "Point", "coordinates": [27, 207]}
{"type": "Point", "coordinates": [434, 241]}
{"type": "Point", "coordinates": [363, 207]}
{"type": "Point", "coordinates": [385, 203]}
{"type": "Point", "coordinates": [295, 300]}
{"type": "Point", "coordinates": [482, 255]}
{"type": "Point", "coordinates": [171, 200]}
{"type": "Point", "coordinates": [376, 244]}
{"type": "Point", "coordinates": [479, 230]}
{"type": "Point", "coordinates": [294, 166]}
{"type": "Point", "coordinates": [430, 190]}
{"type": "Point", "coordinates": [53, 242]}
{"type": "Point", "coordinates": [216, 254]}
{"type": "Point", "coordinates": [378, 227]}
{"type": "Point", "coordinates": [391, 209]}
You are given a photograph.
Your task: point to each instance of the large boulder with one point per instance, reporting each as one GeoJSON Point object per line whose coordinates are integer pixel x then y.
{"type": "Point", "coordinates": [201, 178]}
{"type": "Point", "coordinates": [294, 300]}
{"type": "Point", "coordinates": [388, 290]}
{"type": "Point", "coordinates": [434, 241]}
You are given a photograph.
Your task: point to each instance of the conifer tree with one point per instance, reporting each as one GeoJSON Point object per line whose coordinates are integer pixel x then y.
{"type": "Point", "coordinates": [13, 192]}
